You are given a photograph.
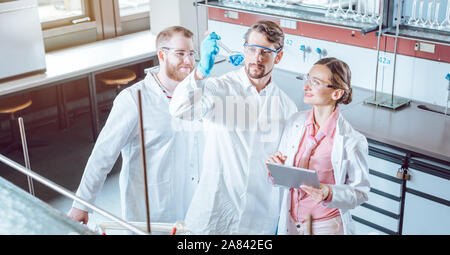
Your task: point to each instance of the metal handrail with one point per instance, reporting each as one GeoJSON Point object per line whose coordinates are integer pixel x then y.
{"type": "Point", "coordinates": [68, 193]}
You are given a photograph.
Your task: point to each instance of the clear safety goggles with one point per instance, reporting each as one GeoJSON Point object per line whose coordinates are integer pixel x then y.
{"type": "Point", "coordinates": [253, 49]}
{"type": "Point", "coordinates": [316, 83]}
{"type": "Point", "coordinates": [180, 53]}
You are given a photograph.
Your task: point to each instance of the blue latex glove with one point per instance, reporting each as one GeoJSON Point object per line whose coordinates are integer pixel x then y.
{"type": "Point", "coordinates": [208, 52]}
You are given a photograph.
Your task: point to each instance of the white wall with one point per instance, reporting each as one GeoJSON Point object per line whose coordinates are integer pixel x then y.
{"type": "Point", "coordinates": [166, 13]}
{"type": "Point", "coordinates": [417, 79]}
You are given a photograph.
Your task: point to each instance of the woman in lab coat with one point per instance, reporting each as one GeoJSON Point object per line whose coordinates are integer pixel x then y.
{"type": "Point", "coordinates": [322, 140]}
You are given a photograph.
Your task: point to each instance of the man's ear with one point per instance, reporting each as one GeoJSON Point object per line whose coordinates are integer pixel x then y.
{"type": "Point", "coordinates": [161, 56]}
{"type": "Point", "coordinates": [278, 57]}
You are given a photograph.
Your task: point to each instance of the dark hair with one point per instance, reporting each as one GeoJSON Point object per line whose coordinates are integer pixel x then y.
{"type": "Point", "coordinates": [270, 29]}
{"type": "Point", "coordinates": [340, 77]}
{"type": "Point", "coordinates": [166, 34]}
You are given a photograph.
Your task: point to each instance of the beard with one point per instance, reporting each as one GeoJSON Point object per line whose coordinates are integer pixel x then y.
{"type": "Point", "coordinates": [174, 73]}
{"type": "Point", "coordinates": [256, 73]}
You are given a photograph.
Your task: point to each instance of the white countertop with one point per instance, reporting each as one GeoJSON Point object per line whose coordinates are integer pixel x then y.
{"type": "Point", "coordinates": [410, 128]}
{"type": "Point", "coordinates": [88, 58]}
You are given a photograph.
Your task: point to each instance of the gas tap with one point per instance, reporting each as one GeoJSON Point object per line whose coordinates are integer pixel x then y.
{"type": "Point", "coordinates": [305, 49]}
{"type": "Point", "coordinates": [321, 52]}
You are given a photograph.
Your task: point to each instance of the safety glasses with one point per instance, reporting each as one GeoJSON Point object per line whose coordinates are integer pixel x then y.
{"type": "Point", "coordinates": [316, 83]}
{"type": "Point", "coordinates": [180, 53]}
{"type": "Point", "coordinates": [253, 49]}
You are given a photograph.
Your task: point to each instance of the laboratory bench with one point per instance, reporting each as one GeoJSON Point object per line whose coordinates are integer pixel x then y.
{"type": "Point", "coordinates": [84, 62]}
{"type": "Point", "coordinates": [409, 169]}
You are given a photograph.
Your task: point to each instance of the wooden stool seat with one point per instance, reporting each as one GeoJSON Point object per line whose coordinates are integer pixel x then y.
{"type": "Point", "coordinates": [117, 77]}
{"type": "Point", "coordinates": [13, 105]}
{"type": "Point", "coordinates": [10, 106]}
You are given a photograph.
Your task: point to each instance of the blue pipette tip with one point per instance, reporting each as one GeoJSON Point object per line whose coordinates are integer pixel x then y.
{"type": "Point", "coordinates": [448, 76]}
{"type": "Point", "coordinates": [236, 59]}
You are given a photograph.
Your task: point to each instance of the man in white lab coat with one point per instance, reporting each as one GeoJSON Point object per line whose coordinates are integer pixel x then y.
{"type": "Point", "coordinates": [173, 146]}
{"type": "Point", "coordinates": [244, 113]}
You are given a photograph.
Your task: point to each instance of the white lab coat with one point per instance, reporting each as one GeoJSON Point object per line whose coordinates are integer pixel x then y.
{"type": "Point", "coordinates": [349, 157]}
{"type": "Point", "coordinates": [233, 196]}
{"type": "Point", "coordinates": [173, 163]}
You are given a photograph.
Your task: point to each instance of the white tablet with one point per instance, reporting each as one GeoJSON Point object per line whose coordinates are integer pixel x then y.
{"type": "Point", "coordinates": [293, 177]}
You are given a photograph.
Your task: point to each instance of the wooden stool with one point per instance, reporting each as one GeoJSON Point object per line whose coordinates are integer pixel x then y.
{"type": "Point", "coordinates": [11, 106]}
{"type": "Point", "coordinates": [117, 77]}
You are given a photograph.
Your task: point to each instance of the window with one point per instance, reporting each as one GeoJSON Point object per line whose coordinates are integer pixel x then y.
{"type": "Point", "coordinates": [54, 13]}
{"type": "Point", "coordinates": [130, 7]}
{"type": "Point", "coordinates": [72, 22]}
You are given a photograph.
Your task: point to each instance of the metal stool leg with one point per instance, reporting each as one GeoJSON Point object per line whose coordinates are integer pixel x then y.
{"type": "Point", "coordinates": [117, 90]}
{"type": "Point", "coordinates": [14, 144]}
{"type": "Point", "coordinates": [63, 116]}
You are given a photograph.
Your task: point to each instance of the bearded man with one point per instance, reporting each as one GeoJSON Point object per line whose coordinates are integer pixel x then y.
{"type": "Point", "coordinates": [173, 146]}
{"type": "Point", "coordinates": [244, 113]}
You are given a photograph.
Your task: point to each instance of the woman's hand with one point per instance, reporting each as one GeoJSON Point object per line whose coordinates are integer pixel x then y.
{"type": "Point", "coordinates": [277, 158]}
{"type": "Point", "coordinates": [317, 195]}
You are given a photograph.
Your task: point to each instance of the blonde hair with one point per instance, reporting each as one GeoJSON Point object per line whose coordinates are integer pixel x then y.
{"type": "Point", "coordinates": [165, 35]}
{"type": "Point", "coordinates": [340, 77]}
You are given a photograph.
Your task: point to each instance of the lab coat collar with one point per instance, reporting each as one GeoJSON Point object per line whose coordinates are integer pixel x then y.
{"type": "Point", "coordinates": [339, 138]}
{"type": "Point", "coordinates": [152, 84]}
{"type": "Point", "coordinates": [303, 120]}
{"type": "Point", "coordinates": [329, 127]}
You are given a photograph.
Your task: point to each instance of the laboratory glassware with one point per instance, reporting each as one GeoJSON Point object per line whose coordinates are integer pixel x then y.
{"type": "Point", "coordinates": [377, 13]}
{"type": "Point", "coordinates": [330, 10]}
{"type": "Point", "coordinates": [427, 22]}
{"type": "Point", "coordinates": [350, 13]}
{"type": "Point", "coordinates": [373, 17]}
{"type": "Point", "coordinates": [234, 57]}
{"type": "Point", "coordinates": [435, 23]}
{"type": "Point", "coordinates": [263, 3]}
{"type": "Point", "coordinates": [339, 13]}
{"type": "Point", "coordinates": [365, 17]}
{"type": "Point", "coordinates": [445, 25]}
{"type": "Point", "coordinates": [357, 16]}
{"type": "Point", "coordinates": [419, 19]}
{"type": "Point", "coordinates": [412, 17]}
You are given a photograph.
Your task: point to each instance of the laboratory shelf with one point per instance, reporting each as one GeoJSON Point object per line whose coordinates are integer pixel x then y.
{"type": "Point", "coordinates": [420, 34]}
{"type": "Point", "coordinates": [305, 13]}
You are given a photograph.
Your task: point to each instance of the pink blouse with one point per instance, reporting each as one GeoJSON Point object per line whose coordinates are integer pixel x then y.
{"type": "Point", "coordinates": [320, 161]}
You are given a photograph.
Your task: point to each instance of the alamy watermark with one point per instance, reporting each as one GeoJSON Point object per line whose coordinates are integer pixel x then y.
{"type": "Point", "coordinates": [255, 114]}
